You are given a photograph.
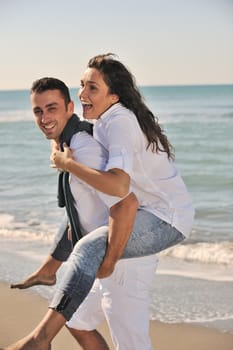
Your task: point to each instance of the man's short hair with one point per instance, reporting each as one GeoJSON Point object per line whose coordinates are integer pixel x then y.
{"type": "Point", "coordinates": [48, 83]}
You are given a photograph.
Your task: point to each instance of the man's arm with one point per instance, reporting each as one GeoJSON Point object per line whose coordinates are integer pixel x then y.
{"type": "Point", "coordinates": [121, 221]}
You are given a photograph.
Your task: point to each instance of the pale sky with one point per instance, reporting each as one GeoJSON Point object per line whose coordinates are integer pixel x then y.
{"type": "Point", "coordinates": [162, 42]}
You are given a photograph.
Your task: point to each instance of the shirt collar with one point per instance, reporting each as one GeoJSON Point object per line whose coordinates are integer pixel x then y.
{"type": "Point", "coordinates": [108, 112]}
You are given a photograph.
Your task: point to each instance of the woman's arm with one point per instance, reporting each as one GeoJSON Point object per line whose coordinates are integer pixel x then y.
{"type": "Point", "coordinates": [114, 182]}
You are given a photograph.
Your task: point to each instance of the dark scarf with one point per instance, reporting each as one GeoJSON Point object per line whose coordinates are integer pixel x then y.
{"type": "Point", "coordinates": [65, 197]}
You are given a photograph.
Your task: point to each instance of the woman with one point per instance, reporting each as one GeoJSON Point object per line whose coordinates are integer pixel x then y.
{"type": "Point", "coordinates": [139, 155]}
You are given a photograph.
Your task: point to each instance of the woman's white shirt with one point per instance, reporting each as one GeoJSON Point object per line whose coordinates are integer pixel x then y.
{"type": "Point", "coordinates": [154, 178]}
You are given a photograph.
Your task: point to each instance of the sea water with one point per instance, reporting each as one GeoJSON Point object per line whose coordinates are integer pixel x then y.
{"type": "Point", "coordinates": [194, 280]}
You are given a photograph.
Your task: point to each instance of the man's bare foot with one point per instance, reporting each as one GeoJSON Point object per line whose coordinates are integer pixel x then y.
{"type": "Point", "coordinates": [35, 279]}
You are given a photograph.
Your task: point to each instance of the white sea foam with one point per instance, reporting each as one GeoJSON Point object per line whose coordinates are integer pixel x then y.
{"type": "Point", "coordinates": [213, 275]}
{"type": "Point", "coordinates": [5, 220]}
{"type": "Point", "coordinates": [197, 320]}
{"type": "Point", "coordinates": [217, 253]}
{"type": "Point", "coordinates": [26, 235]}
{"type": "Point", "coordinates": [211, 319]}
{"type": "Point", "coordinates": [29, 231]}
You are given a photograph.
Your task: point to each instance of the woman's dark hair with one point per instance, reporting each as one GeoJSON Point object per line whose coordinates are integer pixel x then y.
{"type": "Point", "coordinates": [122, 83]}
{"type": "Point", "coordinates": [46, 83]}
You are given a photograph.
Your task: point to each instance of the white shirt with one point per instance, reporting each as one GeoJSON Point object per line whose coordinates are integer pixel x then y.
{"type": "Point", "coordinates": [154, 178]}
{"type": "Point", "coordinates": [92, 210]}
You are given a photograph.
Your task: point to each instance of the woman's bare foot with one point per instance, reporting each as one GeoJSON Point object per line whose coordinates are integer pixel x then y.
{"type": "Point", "coordinates": [35, 279]}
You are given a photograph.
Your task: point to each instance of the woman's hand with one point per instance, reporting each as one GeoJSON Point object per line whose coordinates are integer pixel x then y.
{"type": "Point", "coordinates": [60, 159]}
{"type": "Point", "coordinates": [54, 146]}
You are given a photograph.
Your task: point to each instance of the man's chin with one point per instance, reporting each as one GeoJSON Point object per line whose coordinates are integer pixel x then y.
{"type": "Point", "coordinates": [50, 136]}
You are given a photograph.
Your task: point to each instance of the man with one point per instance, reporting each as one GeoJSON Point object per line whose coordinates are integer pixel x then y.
{"type": "Point", "coordinates": [122, 298]}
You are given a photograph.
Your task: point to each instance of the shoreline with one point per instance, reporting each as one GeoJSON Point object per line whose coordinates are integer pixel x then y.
{"type": "Point", "coordinates": [22, 309]}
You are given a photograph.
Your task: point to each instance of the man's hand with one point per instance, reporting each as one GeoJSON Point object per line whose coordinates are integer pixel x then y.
{"type": "Point", "coordinates": [106, 268]}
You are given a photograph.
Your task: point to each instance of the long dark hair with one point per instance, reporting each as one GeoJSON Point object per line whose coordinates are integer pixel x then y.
{"type": "Point", "coordinates": [122, 83]}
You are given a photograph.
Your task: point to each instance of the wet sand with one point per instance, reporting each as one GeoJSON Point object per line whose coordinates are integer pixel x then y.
{"type": "Point", "coordinates": [21, 311]}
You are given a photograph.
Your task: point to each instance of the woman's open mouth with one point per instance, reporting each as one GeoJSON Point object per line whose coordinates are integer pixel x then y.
{"type": "Point", "coordinates": [86, 107]}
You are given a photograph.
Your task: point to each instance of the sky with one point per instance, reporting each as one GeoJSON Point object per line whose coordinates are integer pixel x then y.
{"type": "Point", "coordinates": [162, 42]}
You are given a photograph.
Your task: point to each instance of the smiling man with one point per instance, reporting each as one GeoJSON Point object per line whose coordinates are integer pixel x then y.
{"type": "Point", "coordinates": [130, 280]}
{"type": "Point", "coordinates": [52, 110]}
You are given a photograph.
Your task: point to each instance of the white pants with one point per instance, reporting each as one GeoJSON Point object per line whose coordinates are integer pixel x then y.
{"type": "Point", "coordinates": [123, 300]}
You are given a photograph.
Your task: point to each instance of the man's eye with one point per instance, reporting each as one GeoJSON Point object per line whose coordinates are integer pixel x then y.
{"type": "Point", "coordinates": [52, 109]}
{"type": "Point", "coordinates": [38, 112]}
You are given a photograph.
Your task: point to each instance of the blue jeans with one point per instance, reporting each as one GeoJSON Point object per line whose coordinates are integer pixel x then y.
{"type": "Point", "coordinates": [150, 235]}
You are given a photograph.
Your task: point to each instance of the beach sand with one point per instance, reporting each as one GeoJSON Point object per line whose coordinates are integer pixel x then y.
{"type": "Point", "coordinates": [21, 311]}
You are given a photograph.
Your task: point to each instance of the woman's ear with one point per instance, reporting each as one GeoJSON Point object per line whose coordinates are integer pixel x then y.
{"type": "Point", "coordinates": [115, 98]}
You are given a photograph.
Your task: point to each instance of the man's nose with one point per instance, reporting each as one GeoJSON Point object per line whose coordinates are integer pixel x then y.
{"type": "Point", "coordinates": [45, 117]}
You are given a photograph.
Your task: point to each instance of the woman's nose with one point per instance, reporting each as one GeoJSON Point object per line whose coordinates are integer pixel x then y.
{"type": "Point", "coordinates": [82, 93]}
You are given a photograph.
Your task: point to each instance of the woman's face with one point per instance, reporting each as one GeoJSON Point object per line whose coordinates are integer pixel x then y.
{"type": "Point", "coordinates": [94, 94]}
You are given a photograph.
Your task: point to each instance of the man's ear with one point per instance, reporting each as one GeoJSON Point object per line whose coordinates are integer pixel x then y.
{"type": "Point", "coordinates": [70, 107]}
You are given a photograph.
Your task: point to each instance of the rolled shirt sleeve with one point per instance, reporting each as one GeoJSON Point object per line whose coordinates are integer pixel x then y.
{"type": "Point", "coordinates": [109, 201]}
{"type": "Point", "coordinates": [118, 135]}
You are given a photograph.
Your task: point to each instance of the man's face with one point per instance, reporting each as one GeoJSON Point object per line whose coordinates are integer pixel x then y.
{"type": "Point", "coordinates": [51, 113]}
